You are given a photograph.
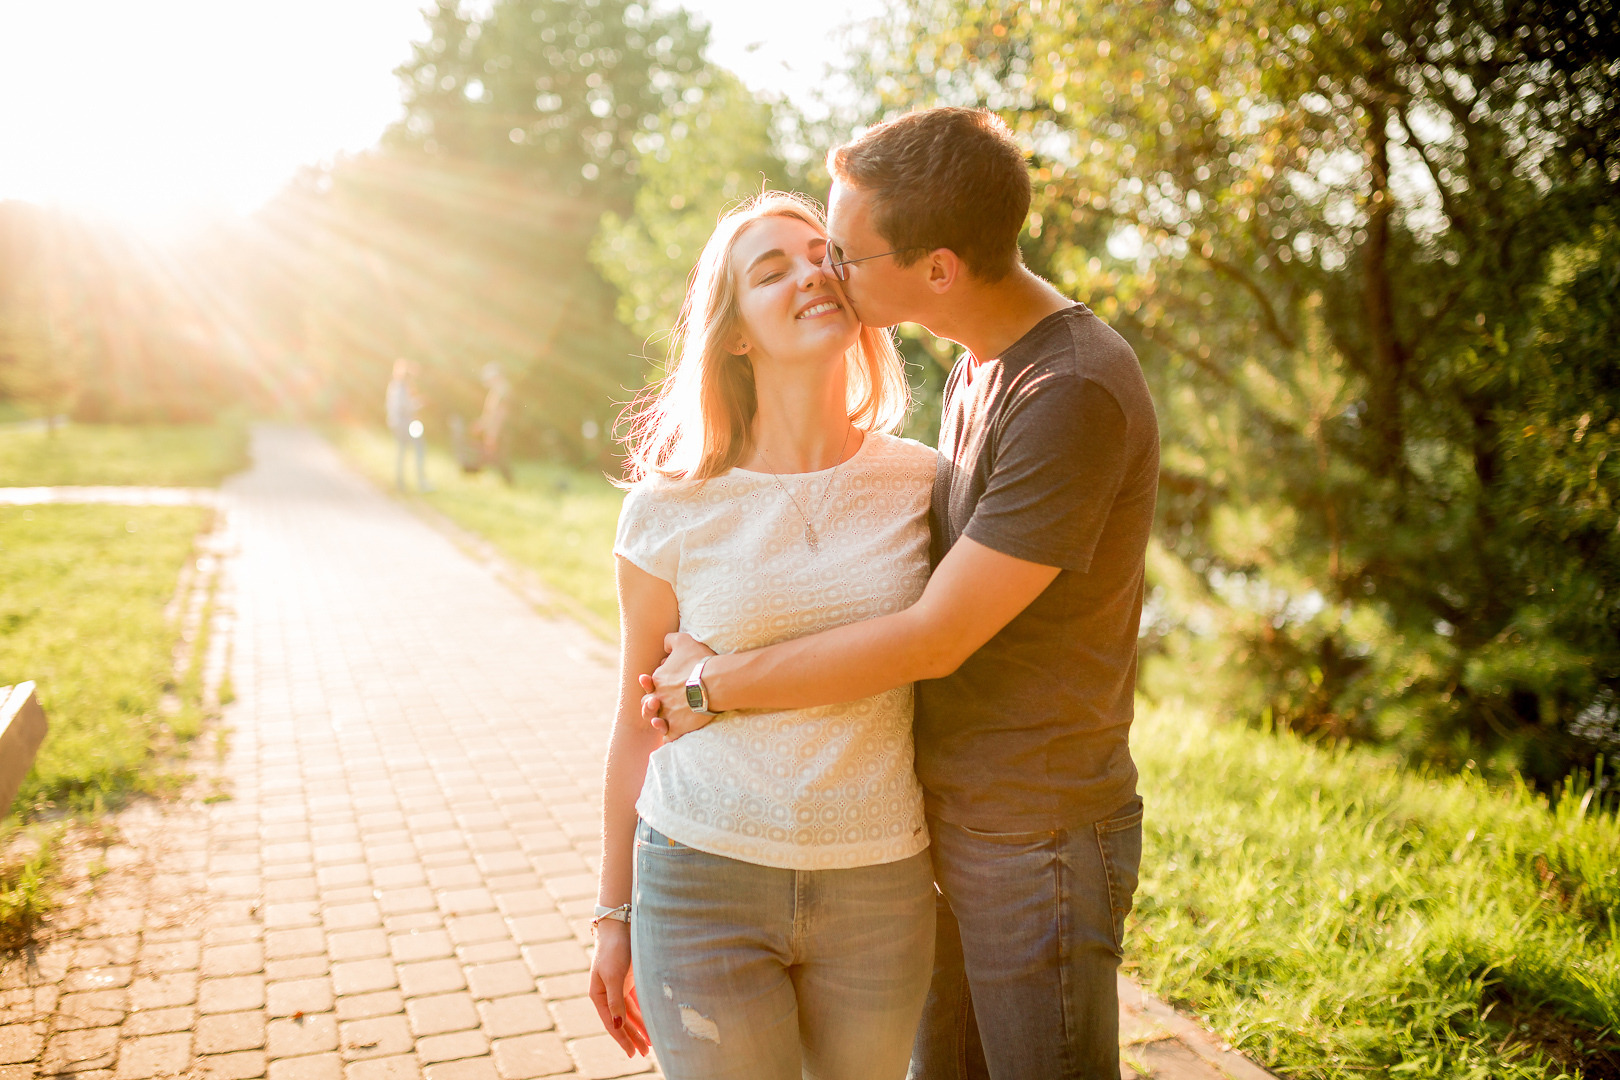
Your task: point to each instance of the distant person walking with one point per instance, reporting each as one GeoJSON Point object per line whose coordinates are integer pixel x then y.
{"type": "Point", "coordinates": [491, 424]}
{"type": "Point", "coordinates": [403, 404]}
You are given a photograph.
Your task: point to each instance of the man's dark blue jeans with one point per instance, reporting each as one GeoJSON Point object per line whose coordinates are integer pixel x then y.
{"type": "Point", "coordinates": [1030, 931]}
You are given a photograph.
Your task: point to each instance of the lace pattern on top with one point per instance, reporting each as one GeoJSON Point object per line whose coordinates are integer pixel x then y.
{"type": "Point", "coordinates": [823, 788]}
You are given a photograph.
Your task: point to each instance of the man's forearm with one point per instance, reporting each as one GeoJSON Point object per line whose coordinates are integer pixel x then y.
{"type": "Point", "coordinates": [845, 663]}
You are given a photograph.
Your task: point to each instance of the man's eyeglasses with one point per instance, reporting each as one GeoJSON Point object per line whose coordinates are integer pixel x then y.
{"type": "Point", "coordinates": [838, 264]}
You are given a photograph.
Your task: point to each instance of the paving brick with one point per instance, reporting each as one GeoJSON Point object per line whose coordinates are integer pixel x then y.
{"type": "Point", "coordinates": [21, 1042]}
{"type": "Point", "coordinates": [466, 901]}
{"type": "Point", "coordinates": [413, 922]}
{"type": "Point", "coordinates": [301, 1036]}
{"type": "Point", "coordinates": [403, 1067]}
{"type": "Point", "coordinates": [230, 994]}
{"type": "Point", "coordinates": [530, 1055]}
{"type": "Point", "coordinates": [431, 977]}
{"type": "Point", "coordinates": [532, 929]}
{"type": "Point", "coordinates": [362, 916]}
{"type": "Point", "coordinates": [284, 944]}
{"type": "Point", "coordinates": [299, 967]}
{"type": "Point", "coordinates": [500, 980]}
{"type": "Point", "coordinates": [154, 1055]}
{"type": "Point", "coordinates": [471, 929]}
{"type": "Point", "coordinates": [438, 1014]}
{"type": "Point", "coordinates": [479, 1068]}
{"type": "Point", "coordinates": [527, 902]}
{"type": "Point", "coordinates": [290, 888]}
{"type": "Point", "coordinates": [600, 1058]}
{"type": "Point", "coordinates": [364, 976]}
{"type": "Point", "coordinates": [91, 1009]}
{"type": "Point", "coordinates": [378, 1003]}
{"type": "Point", "coordinates": [80, 1051]}
{"type": "Point", "coordinates": [573, 984]}
{"type": "Point", "coordinates": [357, 944]}
{"type": "Point", "coordinates": [343, 876]}
{"type": "Point", "coordinates": [109, 977]}
{"type": "Point", "coordinates": [243, 1065]}
{"type": "Point", "coordinates": [458, 1044]}
{"type": "Point", "coordinates": [160, 1021]}
{"type": "Point", "coordinates": [489, 952]}
{"type": "Point", "coordinates": [399, 876]}
{"type": "Point", "coordinates": [380, 1036]}
{"type": "Point", "coordinates": [406, 901]}
{"type": "Point", "coordinates": [309, 1067]}
{"type": "Point", "coordinates": [458, 876]}
{"type": "Point", "coordinates": [119, 951]}
{"type": "Point", "coordinates": [576, 1017]}
{"type": "Point", "coordinates": [555, 958]}
{"type": "Point", "coordinates": [299, 996]}
{"type": "Point", "coordinates": [522, 1014]}
{"type": "Point", "coordinates": [421, 945]}
{"type": "Point", "coordinates": [163, 991]}
{"type": "Point", "coordinates": [224, 1033]}
{"type": "Point", "coordinates": [243, 959]}
{"type": "Point", "coordinates": [288, 916]}
{"type": "Point", "coordinates": [167, 957]}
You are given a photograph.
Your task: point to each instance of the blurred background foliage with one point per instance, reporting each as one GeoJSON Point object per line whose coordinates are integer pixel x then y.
{"type": "Point", "coordinates": [1367, 252]}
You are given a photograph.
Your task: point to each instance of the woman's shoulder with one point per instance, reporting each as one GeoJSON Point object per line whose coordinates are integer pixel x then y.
{"type": "Point", "coordinates": [894, 451]}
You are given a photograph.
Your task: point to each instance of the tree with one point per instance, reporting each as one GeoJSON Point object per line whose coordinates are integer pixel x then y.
{"type": "Point", "coordinates": [1360, 249]}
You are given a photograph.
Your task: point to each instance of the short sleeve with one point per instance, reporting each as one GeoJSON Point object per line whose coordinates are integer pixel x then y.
{"type": "Point", "coordinates": [1061, 456]}
{"type": "Point", "coordinates": [649, 533]}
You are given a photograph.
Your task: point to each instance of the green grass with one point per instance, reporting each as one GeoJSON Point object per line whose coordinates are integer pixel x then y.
{"type": "Point", "coordinates": [557, 521]}
{"type": "Point", "coordinates": [82, 593]}
{"type": "Point", "coordinates": [1334, 915]}
{"type": "Point", "coordinates": [186, 455]}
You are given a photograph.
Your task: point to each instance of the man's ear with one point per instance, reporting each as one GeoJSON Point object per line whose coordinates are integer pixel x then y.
{"type": "Point", "coordinates": [944, 267]}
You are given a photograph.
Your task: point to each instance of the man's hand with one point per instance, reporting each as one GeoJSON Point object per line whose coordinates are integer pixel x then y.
{"type": "Point", "coordinates": [664, 706]}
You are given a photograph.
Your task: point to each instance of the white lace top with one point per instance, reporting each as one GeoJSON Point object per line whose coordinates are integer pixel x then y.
{"type": "Point", "coordinates": [806, 789]}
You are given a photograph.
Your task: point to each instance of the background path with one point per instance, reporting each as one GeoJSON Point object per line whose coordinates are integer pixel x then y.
{"type": "Point", "coordinates": [400, 881]}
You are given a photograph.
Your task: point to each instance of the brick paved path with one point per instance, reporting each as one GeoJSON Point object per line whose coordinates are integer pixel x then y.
{"type": "Point", "coordinates": [401, 880]}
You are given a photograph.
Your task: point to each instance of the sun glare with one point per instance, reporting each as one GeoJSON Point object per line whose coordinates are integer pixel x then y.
{"type": "Point", "coordinates": [163, 114]}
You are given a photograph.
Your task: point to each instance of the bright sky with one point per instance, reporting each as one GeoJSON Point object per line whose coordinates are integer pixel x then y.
{"type": "Point", "coordinates": [162, 113]}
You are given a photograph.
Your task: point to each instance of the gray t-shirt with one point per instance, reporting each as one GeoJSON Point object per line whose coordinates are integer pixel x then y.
{"type": "Point", "coordinates": [1049, 454]}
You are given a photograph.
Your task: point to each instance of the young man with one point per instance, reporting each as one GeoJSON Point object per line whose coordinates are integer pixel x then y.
{"type": "Point", "coordinates": [1023, 647]}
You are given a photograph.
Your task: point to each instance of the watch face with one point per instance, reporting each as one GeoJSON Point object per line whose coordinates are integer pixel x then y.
{"type": "Point", "coordinates": [694, 697]}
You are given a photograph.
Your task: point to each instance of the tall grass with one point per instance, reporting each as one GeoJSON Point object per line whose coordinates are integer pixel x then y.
{"type": "Point", "coordinates": [1335, 915]}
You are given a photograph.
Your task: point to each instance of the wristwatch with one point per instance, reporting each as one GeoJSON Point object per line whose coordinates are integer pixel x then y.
{"type": "Point", "coordinates": [697, 698]}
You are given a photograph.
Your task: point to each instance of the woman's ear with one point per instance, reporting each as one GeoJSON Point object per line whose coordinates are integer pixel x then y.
{"type": "Point", "coordinates": [738, 347]}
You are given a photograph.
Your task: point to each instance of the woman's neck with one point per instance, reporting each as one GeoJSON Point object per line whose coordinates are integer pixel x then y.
{"type": "Point", "coordinates": [801, 424]}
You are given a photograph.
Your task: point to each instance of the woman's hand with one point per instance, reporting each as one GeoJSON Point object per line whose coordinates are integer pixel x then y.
{"type": "Point", "coordinates": [613, 988]}
{"type": "Point", "coordinates": [664, 705]}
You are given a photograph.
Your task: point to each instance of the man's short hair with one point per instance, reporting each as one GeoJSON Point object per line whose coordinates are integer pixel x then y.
{"type": "Point", "coordinates": [943, 178]}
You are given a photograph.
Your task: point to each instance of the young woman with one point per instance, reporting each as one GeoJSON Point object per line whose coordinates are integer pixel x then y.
{"type": "Point", "coordinates": [775, 894]}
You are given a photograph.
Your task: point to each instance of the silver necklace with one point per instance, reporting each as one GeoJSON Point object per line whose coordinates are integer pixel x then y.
{"type": "Point", "coordinates": [811, 539]}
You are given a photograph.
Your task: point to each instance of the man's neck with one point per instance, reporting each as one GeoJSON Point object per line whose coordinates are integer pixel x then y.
{"type": "Point", "coordinates": [986, 318]}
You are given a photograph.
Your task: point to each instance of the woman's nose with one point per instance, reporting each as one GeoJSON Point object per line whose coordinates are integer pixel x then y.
{"type": "Point", "coordinates": [812, 274]}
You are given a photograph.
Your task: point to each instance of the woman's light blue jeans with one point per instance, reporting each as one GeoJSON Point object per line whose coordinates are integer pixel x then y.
{"type": "Point", "coordinates": [750, 972]}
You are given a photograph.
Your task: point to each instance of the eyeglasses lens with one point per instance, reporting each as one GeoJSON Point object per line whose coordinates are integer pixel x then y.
{"type": "Point", "coordinates": [835, 261]}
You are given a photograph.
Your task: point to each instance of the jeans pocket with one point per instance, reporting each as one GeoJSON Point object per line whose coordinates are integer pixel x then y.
{"type": "Point", "coordinates": [650, 839]}
{"type": "Point", "coordinates": [1119, 843]}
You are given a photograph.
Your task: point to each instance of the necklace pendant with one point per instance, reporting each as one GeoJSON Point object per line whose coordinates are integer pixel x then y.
{"type": "Point", "coordinates": [811, 539]}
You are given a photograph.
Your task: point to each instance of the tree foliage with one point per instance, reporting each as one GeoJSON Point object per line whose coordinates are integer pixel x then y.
{"type": "Point", "coordinates": [1366, 252]}
{"type": "Point", "coordinates": [465, 238]}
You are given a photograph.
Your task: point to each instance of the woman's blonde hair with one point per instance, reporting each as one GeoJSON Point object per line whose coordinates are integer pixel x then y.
{"type": "Point", "coordinates": [697, 422]}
